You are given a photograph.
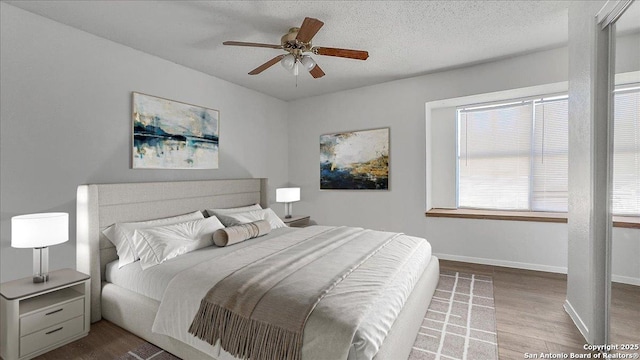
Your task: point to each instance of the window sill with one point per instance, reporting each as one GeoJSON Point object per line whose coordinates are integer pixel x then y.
{"type": "Point", "coordinates": [631, 222]}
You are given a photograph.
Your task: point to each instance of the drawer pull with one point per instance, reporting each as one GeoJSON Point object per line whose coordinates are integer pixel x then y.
{"type": "Point", "coordinates": [52, 331]}
{"type": "Point", "coordinates": [53, 312]}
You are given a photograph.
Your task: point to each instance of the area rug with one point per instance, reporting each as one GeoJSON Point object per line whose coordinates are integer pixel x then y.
{"type": "Point", "coordinates": [460, 323]}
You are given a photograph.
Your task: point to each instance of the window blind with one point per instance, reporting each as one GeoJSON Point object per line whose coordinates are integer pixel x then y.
{"type": "Point", "coordinates": [626, 153]}
{"type": "Point", "coordinates": [514, 156]}
{"type": "Point", "coordinates": [493, 157]}
{"type": "Point", "coordinates": [550, 156]}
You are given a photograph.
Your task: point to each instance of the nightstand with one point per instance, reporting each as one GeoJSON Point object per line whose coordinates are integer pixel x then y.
{"type": "Point", "coordinates": [37, 318]}
{"type": "Point", "coordinates": [297, 221]}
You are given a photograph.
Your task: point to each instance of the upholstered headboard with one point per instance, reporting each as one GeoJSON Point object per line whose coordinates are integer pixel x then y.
{"type": "Point", "coordinates": [100, 205]}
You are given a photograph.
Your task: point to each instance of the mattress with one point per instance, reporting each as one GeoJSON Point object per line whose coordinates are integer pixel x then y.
{"type": "Point", "coordinates": [372, 327]}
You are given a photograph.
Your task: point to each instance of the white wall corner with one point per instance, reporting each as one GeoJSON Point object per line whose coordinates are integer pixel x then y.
{"type": "Point", "coordinates": [588, 161]}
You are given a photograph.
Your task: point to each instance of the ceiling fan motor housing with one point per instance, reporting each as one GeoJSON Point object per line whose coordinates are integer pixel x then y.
{"type": "Point", "coordinates": [292, 45]}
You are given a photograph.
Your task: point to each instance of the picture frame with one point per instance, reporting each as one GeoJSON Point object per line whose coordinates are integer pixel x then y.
{"type": "Point", "coordinates": [355, 160]}
{"type": "Point", "coordinates": [169, 134]}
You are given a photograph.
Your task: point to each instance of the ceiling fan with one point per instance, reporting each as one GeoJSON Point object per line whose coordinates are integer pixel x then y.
{"type": "Point", "coordinates": [296, 43]}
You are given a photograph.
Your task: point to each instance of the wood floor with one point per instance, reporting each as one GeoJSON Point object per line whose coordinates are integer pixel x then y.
{"type": "Point", "coordinates": [529, 318]}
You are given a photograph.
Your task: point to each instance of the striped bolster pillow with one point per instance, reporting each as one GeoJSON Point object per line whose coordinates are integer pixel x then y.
{"type": "Point", "coordinates": [238, 233]}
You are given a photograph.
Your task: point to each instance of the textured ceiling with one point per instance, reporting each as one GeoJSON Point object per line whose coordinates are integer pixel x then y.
{"type": "Point", "coordinates": [404, 39]}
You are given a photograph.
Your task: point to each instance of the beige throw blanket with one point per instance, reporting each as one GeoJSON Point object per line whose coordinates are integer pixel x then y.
{"type": "Point", "coordinates": [259, 311]}
{"type": "Point", "coordinates": [235, 234]}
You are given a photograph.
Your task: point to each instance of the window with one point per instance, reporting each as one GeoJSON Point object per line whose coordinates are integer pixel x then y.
{"type": "Point", "coordinates": [626, 151]}
{"type": "Point", "coordinates": [514, 155]}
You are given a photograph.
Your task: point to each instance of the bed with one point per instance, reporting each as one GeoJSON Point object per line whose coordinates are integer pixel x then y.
{"type": "Point", "coordinates": [100, 205]}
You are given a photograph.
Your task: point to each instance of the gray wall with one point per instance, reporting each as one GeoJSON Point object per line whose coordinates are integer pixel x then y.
{"type": "Point", "coordinates": [65, 120]}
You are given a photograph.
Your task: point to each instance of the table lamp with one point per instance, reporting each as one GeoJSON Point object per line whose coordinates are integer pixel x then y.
{"type": "Point", "coordinates": [38, 231]}
{"type": "Point", "coordinates": [287, 196]}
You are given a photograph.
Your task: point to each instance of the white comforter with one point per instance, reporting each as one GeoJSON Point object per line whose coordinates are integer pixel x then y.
{"type": "Point", "coordinates": [351, 322]}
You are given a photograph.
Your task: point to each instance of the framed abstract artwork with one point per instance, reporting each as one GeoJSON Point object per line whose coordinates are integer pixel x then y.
{"type": "Point", "coordinates": [356, 160]}
{"type": "Point", "coordinates": [170, 134]}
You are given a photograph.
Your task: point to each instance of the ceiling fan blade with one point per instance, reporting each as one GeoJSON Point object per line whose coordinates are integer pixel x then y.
{"type": "Point", "coordinates": [266, 65]}
{"type": "Point", "coordinates": [316, 72]}
{"type": "Point", "coordinates": [240, 43]}
{"type": "Point", "coordinates": [345, 53]}
{"type": "Point", "coordinates": [308, 30]}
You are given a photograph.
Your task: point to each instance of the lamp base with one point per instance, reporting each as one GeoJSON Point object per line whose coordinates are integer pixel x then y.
{"type": "Point", "coordinates": [40, 278]}
{"type": "Point", "coordinates": [40, 264]}
{"type": "Point", "coordinates": [287, 210]}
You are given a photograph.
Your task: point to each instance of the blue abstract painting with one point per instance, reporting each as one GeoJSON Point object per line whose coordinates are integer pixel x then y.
{"type": "Point", "coordinates": [355, 160]}
{"type": "Point", "coordinates": [169, 134]}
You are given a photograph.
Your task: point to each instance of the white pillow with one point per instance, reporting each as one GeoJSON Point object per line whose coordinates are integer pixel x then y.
{"type": "Point", "coordinates": [158, 244]}
{"type": "Point", "coordinates": [215, 212]}
{"type": "Point", "coordinates": [121, 234]}
{"type": "Point", "coordinates": [251, 216]}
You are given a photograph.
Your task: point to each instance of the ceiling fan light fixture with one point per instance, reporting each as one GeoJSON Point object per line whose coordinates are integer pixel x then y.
{"type": "Point", "coordinates": [308, 62]}
{"type": "Point", "coordinates": [288, 62]}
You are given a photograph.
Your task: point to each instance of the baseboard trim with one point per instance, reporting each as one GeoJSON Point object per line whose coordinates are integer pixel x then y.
{"type": "Point", "coordinates": [505, 263]}
{"type": "Point", "coordinates": [576, 320]}
{"type": "Point", "coordinates": [528, 266]}
{"type": "Point", "coordinates": [625, 280]}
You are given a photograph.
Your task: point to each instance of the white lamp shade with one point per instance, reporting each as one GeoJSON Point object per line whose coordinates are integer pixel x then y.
{"type": "Point", "coordinates": [39, 230]}
{"type": "Point", "coordinates": [287, 194]}
{"type": "Point", "coordinates": [308, 62]}
{"type": "Point", "coordinates": [288, 61]}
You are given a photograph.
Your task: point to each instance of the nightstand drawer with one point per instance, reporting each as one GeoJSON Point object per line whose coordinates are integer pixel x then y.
{"type": "Point", "coordinates": [49, 336]}
{"type": "Point", "coordinates": [51, 316]}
